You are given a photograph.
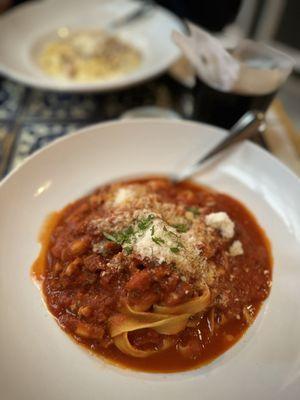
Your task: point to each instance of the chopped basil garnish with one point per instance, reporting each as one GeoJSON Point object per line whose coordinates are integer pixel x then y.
{"type": "Point", "coordinates": [181, 228]}
{"type": "Point", "coordinates": [157, 240]}
{"type": "Point", "coordinates": [125, 236]}
{"type": "Point", "coordinates": [110, 237]}
{"type": "Point", "coordinates": [172, 235]}
{"type": "Point", "coordinates": [128, 250]}
{"type": "Point", "coordinates": [120, 237]}
{"type": "Point", "coordinates": [145, 223]}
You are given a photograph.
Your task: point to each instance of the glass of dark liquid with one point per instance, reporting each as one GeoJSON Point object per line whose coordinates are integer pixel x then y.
{"type": "Point", "coordinates": [262, 73]}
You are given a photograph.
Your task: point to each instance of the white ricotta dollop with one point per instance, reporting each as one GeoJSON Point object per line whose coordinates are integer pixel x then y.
{"type": "Point", "coordinates": [236, 249]}
{"type": "Point", "coordinates": [221, 222]}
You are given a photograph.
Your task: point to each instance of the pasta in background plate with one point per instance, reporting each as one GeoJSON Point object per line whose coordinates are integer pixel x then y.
{"type": "Point", "coordinates": [88, 55]}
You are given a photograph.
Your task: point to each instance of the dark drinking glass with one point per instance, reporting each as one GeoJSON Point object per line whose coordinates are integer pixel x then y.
{"type": "Point", "coordinates": [266, 71]}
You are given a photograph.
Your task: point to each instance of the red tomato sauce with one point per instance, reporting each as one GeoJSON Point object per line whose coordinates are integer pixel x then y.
{"type": "Point", "coordinates": [82, 292]}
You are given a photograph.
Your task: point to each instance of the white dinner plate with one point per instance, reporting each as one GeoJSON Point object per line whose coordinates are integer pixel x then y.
{"type": "Point", "coordinates": [39, 361]}
{"type": "Point", "coordinates": [23, 28]}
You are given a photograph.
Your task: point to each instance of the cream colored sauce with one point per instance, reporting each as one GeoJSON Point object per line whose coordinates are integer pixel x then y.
{"type": "Point", "coordinates": [87, 56]}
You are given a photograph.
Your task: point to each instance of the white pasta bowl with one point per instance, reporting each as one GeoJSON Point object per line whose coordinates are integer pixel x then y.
{"type": "Point", "coordinates": [38, 21]}
{"type": "Point", "coordinates": [38, 358]}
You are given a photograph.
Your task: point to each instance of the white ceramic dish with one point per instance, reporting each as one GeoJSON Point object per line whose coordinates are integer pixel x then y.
{"type": "Point", "coordinates": [38, 361]}
{"type": "Point", "coordinates": [38, 20]}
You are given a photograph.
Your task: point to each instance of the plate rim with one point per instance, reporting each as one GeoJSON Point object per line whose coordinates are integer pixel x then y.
{"type": "Point", "coordinates": [104, 124]}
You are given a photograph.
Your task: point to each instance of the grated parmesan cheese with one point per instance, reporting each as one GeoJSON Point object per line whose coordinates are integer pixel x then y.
{"type": "Point", "coordinates": [221, 222]}
{"type": "Point", "coordinates": [236, 249]}
{"type": "Point", "coordinates": [150, 229]}
{"type": "Point", "coordinates": [146, 247]}
{"type": "Point", "coordinates": [163, 244]}
{"type": "Point", "coordinates": [123, 195]}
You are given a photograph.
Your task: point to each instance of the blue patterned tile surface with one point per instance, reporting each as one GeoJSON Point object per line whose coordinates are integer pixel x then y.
{"type": "Point", "coordinates": [35, 135]}
{"type": "Point", "coordinates": [6, 143]}
{"type": "Point", "coordinates": [10, 98]}
{"type": "Point", "coordinates": [57, 106]}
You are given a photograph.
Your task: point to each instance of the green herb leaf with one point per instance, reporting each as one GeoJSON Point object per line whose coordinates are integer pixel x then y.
{"type": "Point", "coordinates": [110, 237]}
{"type": "Point", "coordinates": [171, 234]}
{"type": "Point", "coordinates": [182, 228]}
{"type": "Point", "coordinates": [175, 250]}
{"type": "Point", "coordinates": [125, 236]}
{"type": "Point", "coordinates": [145, 223]}
{"type": "Point", "coordinates": [120, 237]}
{"type": "Point", "coordinates": [152, 230]}
{"type": "Point", "coordinates": [128, 249]}
{"type": "Point", "coordinates": [158, 240]}
{"type": "Point", "coordinates": [194, 210]}
{"type": "Point", "coordinates": [128, 231]}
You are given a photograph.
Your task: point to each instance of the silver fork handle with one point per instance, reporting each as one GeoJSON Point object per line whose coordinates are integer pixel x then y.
{"type": "Point", "coordinates": [249, 124]}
